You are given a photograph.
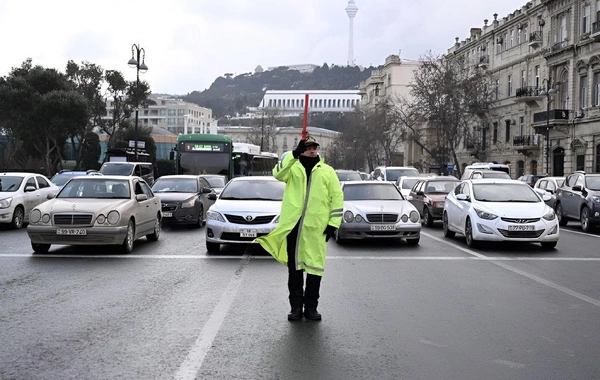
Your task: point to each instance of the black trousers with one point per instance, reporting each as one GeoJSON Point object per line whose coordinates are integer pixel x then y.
{"type": "Point", "coordinates": [299, 296]}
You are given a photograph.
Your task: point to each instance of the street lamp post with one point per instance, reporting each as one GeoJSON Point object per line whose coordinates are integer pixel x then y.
{"type": "Point", "coordinates": [548, 94]}
{"type": "Point", "coordinates": [134, 62]}
{"type": "Point", "coordinates": [355, 166]}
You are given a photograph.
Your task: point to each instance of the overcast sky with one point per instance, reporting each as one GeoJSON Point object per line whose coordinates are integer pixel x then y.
{"type": "Point", "coordinates": [189, 43]}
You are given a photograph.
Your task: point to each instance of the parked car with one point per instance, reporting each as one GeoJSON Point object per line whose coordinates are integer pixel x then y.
{"type": "Point", "coordinates": [217, 181]}
{"type": "Point", "coordinates": [247, 208]}
{"type": "Point", "coordinates": [530, 179]}
{"type": "Point", "coordinates": [377, 210]}
{"type": "Point", "coordinates": [405, 184]}
{"type": "Point", "coordinates": [145, 170]}
{"type": "Point", "coordinates": [365, 176]}
{"type": "Point", "coordinates": [482, 173]}
{"type": "Point", "coordinates": [549, 185]}
{"type": "Point", "coordinates": [499, 210]}
{"type": "Point", "coordinates": [428, 197]}
{"type": "Point", "coordinates": [579, 198]}
{"type": "Point", "coordinates": [62, 177]}
{"type": "Point", "coordinates": [96, 210]}
{"type": "Point", "coordinates": [392, 173]}
{"type": "Point", "coordinates": [485, 166]}
{"type": "Point", "coordinates": [20, 193]}
{"type": "Point", "coordinates": [183, 198]}
{"type": "Point", "coordinates": [348, 175]}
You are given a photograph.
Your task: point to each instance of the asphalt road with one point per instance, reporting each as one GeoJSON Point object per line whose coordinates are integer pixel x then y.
{"type": "Point", "coordinates": [170, 311]}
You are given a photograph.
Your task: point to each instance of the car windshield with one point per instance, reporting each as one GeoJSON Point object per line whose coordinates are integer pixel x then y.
{"type": "Point", "coordinates": [495, 174]}
{"type": "Point", "coordinates": [216, 182]}
{"type": "Point", "coordinates": [592, 182]}
{"type": "Point", "coordinates": [504, 192]}
{"type": "Point", "coordinates": [440, 187]}
{"type": "Point", "coordinates": [371, 192]}
{"type": "Point", "coordinates": [116, 169]}
{"type": "Point", "coordinates": [560, 182]}
{"type": "Point", "coordinates": [96, 188]}
{"type": "Point", "coordinates": [408, 184]}
{"type": "Point", "coordinates": [10, 184]}
{"type": "Point", "coordinates": [349, 176]}
{"type": "Point", "coordinates": [253, 190]}
{"type": "Point", "coordinates": [175, 185]}
{"type": "Point", "coordinates": [61, 179]}
{"type": "Point", "coordinates": [394, 174]}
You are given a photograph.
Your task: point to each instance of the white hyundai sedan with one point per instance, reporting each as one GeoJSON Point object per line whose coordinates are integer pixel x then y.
{"type": "Point", "coordinates": [499, 210]}
{"type": "Point", "coordinates": [247, 208]}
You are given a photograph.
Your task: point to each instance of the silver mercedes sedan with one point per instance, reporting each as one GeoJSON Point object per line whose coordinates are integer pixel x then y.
{"type": "Point", "coordinates": [98, 210]}
{"type": "Point", "coordinates": [248, 207]}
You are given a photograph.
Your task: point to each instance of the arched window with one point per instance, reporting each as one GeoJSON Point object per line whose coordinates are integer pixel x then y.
{"type": "Point", "coordinates": [534, 166]}
{"type": "Point", "coordinates": [520, 168]}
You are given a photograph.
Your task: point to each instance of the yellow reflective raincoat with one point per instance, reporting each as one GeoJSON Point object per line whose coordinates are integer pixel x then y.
{"type": "Point", "coordinates": [315, 206]}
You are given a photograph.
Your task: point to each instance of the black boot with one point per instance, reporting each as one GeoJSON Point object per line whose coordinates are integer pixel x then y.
{"type": "Point", "coordinates": [312, 314]}
{"type": "Point", "coordinates": [311, 297]}
{"type": "Point", "coordinates": [295, 314]}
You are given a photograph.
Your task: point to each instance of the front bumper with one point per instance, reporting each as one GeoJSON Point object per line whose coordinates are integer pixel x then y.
{"type": "Point", "coordinates": [180, 215]}
{"type": "Point", "coordinates": [498, 230]}
{"type": "Point", "coordinates": [357, 231]}
{"type": "Point", "coordinates": [97, 235]}
{"type": "Point", "coordinates": [6, 215]}
{"type": "Point", "coordinates": [230, 233]}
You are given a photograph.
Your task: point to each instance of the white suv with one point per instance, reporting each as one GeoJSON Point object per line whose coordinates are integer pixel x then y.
{"type": "Point", "coordinates": [392, 173]}
{"type": "Point", "coordinates": [20, 193]}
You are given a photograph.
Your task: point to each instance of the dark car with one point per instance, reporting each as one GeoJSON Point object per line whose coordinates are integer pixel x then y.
{"type": "Point", "coordinates": [579, 198]}
{"type": "Point", "coordinates": [216, 181]}
{"type": "Point", "coordinates": [530, 179]}
{"type": "Point", "coordinates": [183, 198]}
{"type": "Point", "coordinates": [429, 196]}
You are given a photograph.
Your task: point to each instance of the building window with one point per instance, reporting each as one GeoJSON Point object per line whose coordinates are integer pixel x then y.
{"type": "Point", "coordinates": [537, 77]}
{"type": "Point", "coordinates": [534, 167]}
{"type": "Point", "coordinates": [507, 131]}
{"type": "Point", "coordinates": [162, 112]}
{"type": "Point", "coordinates": [180, 112]}
{"type": "Point", "coordinates": [585, 25]}
{"type": "Point", "coordinates": [564, 91]}
{"type": "Point", "coordinates": [495, 134]}
{"type": "Point", "coordinates": [596, 89]}
{"type": "Point", "coordinates": [580, 162]}
{"type": "Point", "coordinates": [505, 41]}
{"type": "Point", "coordinates": [523, 79]}
{"type": "Point", "coordinates": [497, 90]}
{"type": "Point", "coordinates": [520, 168]}
{"type": "Point", "coordinates": [512, 37]}
{"type": "Point", "coordinates": [598, 158]}
{"type": "Point", "coordinates": [509, 87]}
{"type": "Point", "coordinates": [180, 121]}
{"type": "Point", "coordinates": [519, 36]}
{"type": "Point", "coordinates": [522, 126]}
{"type": "Point", "coordinates": [172, 112]}
{"type": "Point", "coordinates": [563, 28]}
{"type": "Point", "coordinates": [583, 91]}
{"type": "Point", "coordinates": [171, 121]}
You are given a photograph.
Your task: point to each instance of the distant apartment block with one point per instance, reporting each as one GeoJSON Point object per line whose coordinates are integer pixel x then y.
{"type": "Point", "coordinates": [291, 103]}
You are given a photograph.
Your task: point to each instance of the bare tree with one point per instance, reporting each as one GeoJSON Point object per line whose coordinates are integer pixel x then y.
{"type": "Point", "coordinates": [265, 129]}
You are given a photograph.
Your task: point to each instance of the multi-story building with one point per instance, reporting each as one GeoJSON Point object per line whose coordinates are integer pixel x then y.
{"type": "Point", "coordinates": [303, 68]}
{"type": "Point", "coordinates": [174, 115]}
{"type": "Point", "coordinates": [544, 59]}
{"type": "Point", "coordinates": [291, 103]}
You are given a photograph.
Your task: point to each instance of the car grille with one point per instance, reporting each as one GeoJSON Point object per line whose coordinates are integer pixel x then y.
{"type": "Point", "coordinates": [382, 218]}
{"type": "Point", "coordinates": [520, 221]}
{"type": "Point", "coordinates": [168, 207]}
{"type": "Point", "coordinates": [73, 219]}
{"type": "Point", "coordinates": [237, 219]}
{"type": "Point", "coordinates": [520, 234]}
{"type": "Point", "coordinates": [236, 236]}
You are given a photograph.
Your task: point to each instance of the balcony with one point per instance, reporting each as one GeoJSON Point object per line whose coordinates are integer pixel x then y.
{"type": "Point", "coordinates": [557, 48]}
{"type": "Point", "coordinates": [529, 95]}
{"type": "Point", "coordinates": [484, 61]}
{"type": "Point", "coordinates": [557, 117]}
{"type": "Point", "coordinates": [595, 31]}
{"type": "Point", "coordinates": [535, 39]}
{"type": "Point", "coordinates": [527, 144]}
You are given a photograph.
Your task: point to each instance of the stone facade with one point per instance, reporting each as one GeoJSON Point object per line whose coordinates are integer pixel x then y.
{"type": "Point", "coordinates": [546, 44]}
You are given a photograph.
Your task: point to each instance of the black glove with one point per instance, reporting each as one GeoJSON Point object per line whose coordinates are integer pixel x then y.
{"type": "Point", "coordinates": [329, 232]}
{"type": "Point", "coordinates": [301, 148]}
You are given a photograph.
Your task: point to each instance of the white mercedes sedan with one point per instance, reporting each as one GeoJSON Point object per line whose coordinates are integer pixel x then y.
{"type": "Point", "coordinates": [499, 210]}
{"type": "Point", "coordinates": [247, 208]}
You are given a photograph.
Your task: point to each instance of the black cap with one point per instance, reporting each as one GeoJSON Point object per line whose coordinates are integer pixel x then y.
{"type": "Point", "coordinates": [310, 141]}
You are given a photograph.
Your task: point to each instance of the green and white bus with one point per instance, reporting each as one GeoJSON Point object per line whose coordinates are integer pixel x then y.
{"type": "Point", "coordinates": [204, 154]}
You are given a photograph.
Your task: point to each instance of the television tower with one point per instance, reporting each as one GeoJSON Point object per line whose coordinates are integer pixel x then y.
{"type": "Point", "coordinates": [351, 10]}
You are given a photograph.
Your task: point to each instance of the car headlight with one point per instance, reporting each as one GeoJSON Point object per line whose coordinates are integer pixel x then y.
{"type": "Point", "coordinates": [35, 216]}
{"type": "Point", "coordinates": [414, 216]}
{"type": "Point", "coordinates": [404, 218]}
{"type": "Point", "coordinates": [596, 199]}
{"type": "Point", "coordinates": [100, 219]}
{"type": "Point", "coordinates": [213, 215]}
{"type": "Point", "coordinates": [189, 203]}
{"type": "Point", "coordinates": [113, 217]}
{"type": "Point", "coordinates": [485, 215]}
{"type": "Point", "coordinates": [5, 203]}
{"type": "Point", "coordinates": [358, 218]}
{"type": "Point", "coordinates": [46, 218]}
{"type": "Point", "coordinates": [348, 216]}
{"type": "Point", "coordinates": [550, 216]}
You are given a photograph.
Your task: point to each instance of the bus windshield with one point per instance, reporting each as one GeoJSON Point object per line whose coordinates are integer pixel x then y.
{"type": "Point", "coordinates": [204, 154]}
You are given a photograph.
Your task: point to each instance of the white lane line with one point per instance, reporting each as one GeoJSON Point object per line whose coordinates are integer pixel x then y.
{"type": "Point", "coordinates": [580, 233]}
{"type": "Point", "coordinates": [530, 276]}
{"type": "Point", "coordinates": [193, 362]}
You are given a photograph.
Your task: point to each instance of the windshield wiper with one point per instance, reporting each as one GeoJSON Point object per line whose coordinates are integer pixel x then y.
{"type": "Point", "coordinates": [232, 198]}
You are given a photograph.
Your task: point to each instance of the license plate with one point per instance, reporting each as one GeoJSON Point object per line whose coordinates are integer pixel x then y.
{"type": "Point", "coordinates": [521, 228]}
{"type": "Point", "coordinates": [385, 227]}
{"type": "Point", "coordinates": [71, 231]}
{"type": "Point", "coordinates": [248, 233]}
{"type": "Point", "coordinates": [167, 214]}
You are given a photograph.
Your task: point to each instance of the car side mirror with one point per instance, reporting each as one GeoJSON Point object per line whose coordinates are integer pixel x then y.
{"type": "Point", "coordinates": [577, 188]}
{"type": "Point", "coordinates": [29, 189]}
{"type": "Point", "coordinates": [463, 197]}
{"type": "Point", "coordinates": [550, 191]}
{"type": "Point", "coordinates": [409, 198]}
{"type": "Point", "coordinates": [206, 190]}
{"type": "Point", "coordinates": [546, 197]}
{"type": "Point", "coordinates": [212, 196]}
{"type": "Point", "coordinates": [420, 193]}
{"type": "Point", "coordinates": [50, 196]}
{"type": "Point", "coordinates": [141, 197]}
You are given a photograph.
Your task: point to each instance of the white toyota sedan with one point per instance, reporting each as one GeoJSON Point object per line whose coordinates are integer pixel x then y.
{"type": "Point", "coordinates": [247, 208]}
{"type": "Point", "coordinates": [499, 210]}
{"type": "Point", "coordinates": [20, 193]}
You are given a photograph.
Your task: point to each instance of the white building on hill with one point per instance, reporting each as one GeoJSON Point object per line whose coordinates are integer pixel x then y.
{"type": "Point", "coordinates": [291, 103]}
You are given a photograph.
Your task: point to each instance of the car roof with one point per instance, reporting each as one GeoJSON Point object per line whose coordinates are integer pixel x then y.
{"type": "Point", "coordinates": [182, 176]}
{"type": "Point", "coordinates": [396, 167]}
{"type": "Point", "coordinates": [107, 177]}
{"type": "Point", "coordinates": [257, 177]}
{"type": "Point", "coordinates": [495, 180]}
{"type": "Point", "coordinates": [346, 171]}
{"type": "Point", "coordinates": [18, 174]}
{"type": "Point", "coordinates": [128, 162]}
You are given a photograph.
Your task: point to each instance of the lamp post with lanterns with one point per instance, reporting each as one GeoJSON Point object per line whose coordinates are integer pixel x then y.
{"type": "Point", "coordinates": [140, 66]}
{"type": "Point", "coordinates": [548, 92]}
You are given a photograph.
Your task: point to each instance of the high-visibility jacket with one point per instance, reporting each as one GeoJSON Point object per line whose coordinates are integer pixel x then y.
{"type": "Point", "coordinates": [314, 205]}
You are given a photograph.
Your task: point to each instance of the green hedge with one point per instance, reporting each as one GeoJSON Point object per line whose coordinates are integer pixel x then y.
{"type": "Point", "coordinates": [165, 167]}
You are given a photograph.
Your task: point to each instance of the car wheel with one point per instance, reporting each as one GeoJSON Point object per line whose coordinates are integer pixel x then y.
{"type": "Point", "coordinates": [548, 244]}
{"type": "Point", "coordinates": [562, 221]}
{"type": "Point", "coordinates": [127, 245]}
{"type": "Point", "coordinates": [412, 242]}
{"type": "Point", "coordinates": [17, 220]}
{"type": "Point", "coordinates": [40, 248]}
{"type": "Point", "coordinates": [338, 240]}
{"type": "Point", "coordinates": [427, 219]}
{"type": "Point", "coordinates": [469, 234]}
{"type": "Point", "coordinates": [200, 218]}
{"type": "Point", "coordinates": [156, 234]}
{"type": "Point", "coordinates": [447, 232]}
{"type": "Point", "coordinates": [586, 225]}
{"type": "Point", "coordinates": [213, 247]}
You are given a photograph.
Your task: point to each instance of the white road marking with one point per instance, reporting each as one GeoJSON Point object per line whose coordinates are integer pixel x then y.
{"type": "Point", "coordinates": [530, 276]}
{"type": "Point", "coordinates": [580, 233]}
{"type": "Point", "coordinates": [193, 362]}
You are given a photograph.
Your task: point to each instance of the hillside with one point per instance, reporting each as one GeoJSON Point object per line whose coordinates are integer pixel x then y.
{"type": "Point", "coordinates": [229, 96]}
